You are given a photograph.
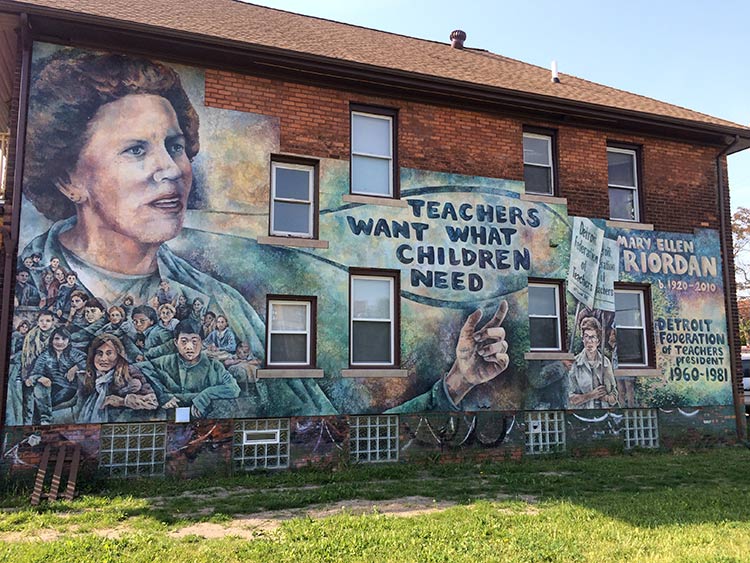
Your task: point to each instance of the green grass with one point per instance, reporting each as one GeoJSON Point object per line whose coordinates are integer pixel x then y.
{"type": "Point", "coordinates": [640, 507]}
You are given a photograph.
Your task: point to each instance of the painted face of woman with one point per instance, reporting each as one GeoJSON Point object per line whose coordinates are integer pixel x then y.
{"type": "Point", "coordinates": [133, 176]}
{"type": "Point", "coordinates": [105, 357]}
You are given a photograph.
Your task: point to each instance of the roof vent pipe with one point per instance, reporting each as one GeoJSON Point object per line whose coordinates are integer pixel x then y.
{"type": "Point", "coordinates": [555, 77]}
{"type": "Point", "coordinates": [457, 39]}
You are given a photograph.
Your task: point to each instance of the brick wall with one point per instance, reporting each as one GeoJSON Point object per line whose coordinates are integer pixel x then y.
{"type": "Point", "coordinates": [679, 179]}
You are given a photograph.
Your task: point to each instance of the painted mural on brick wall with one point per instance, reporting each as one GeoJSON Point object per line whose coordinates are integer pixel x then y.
{"type": "Point", "coordinates": [144, 275]}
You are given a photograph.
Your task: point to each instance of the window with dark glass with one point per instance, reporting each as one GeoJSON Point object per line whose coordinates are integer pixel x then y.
{"type": "Point", "coordinates": [545, 325]}
{"type": "Point", "coordinates": [373, 319]}
{"type": "Point", "coordinates": [290, 337]}
{"type": "Point", "coordinates": [538, 167]}
{"type": "Point", "coordinates": [630, 321]}
{"type": "Point", "coordinates": [622, 167]}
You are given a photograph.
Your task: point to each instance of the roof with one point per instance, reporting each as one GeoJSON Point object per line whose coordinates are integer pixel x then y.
{"type": "Point", "coordinates": [231, 20]}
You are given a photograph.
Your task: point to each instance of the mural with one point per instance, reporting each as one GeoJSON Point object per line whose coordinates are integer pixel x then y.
{"type": "Point", "coordinates": [143, 276]}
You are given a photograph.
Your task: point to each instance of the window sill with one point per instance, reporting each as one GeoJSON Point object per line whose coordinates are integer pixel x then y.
{"type": "Point", "coordinates": [638, 372]}
{"type": "Point", "coordinates": [374, 372]}
{"type": "Point", "coordinates": [544, 198]}
{"type": "Point", "coordinates": [629, 225]}
{"type": "Point", "coordinates": [548, 356]}
{"type": "Point", "coordinates": [293, 241]}
{"type": "Point", "coordinates": [271, 373]}
{"type": "Point", "coordinates": [374, 200]}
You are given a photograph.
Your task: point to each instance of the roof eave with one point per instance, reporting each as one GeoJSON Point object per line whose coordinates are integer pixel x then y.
{"type": "Point", "coordinates": [73, 27]}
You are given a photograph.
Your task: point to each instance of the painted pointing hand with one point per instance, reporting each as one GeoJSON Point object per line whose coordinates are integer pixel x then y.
{"type": "Point", "coordinates": [481, 355]}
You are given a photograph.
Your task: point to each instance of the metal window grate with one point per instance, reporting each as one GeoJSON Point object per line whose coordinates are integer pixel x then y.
{"type": "Point", "coordinates": [641, 428]}
{"type": "Point", "coordinates": [373, 439]}
{"type": "Point", "coordinates": [261, 444]}
{"type": "Point", "coordinates": [545, 432]}
{"type": "Point", "coordinates": [132, 450]}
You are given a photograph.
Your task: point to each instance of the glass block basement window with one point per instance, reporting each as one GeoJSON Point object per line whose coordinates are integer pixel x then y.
{"type": "Point", "coordinates": [373, 439]}
{"type": "Point", "coordinates": [132, 450]}
{"type": "Point", "coordinates": [545, 432]}
{"type": "Point", "coordinates": [641, 428]}
{"type": "Point", "coordinates": [261, 444]}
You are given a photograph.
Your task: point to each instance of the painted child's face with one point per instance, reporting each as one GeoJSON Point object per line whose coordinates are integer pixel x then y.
{"type": "Point", "coordinates": [92, 314]}
{"type": "Point", "coordinates": [141, 322]}
{"type": "Point", "coordinates": [48, 278]}
{"type": "Point", "coordinates": [189, 346]}
{"type": "Point", "coordinates": [221, 323]}
{"type": "Point", "coordinates": [22, 277]}
{"type": "Point", "coordinates": [105, 357]}
{"type": "Point", "coordinates": [181, 299]}
{"type": "Point", "coordinates": [166, 315]}
{"type": "Point", "coordinates": [76, 302]}
{"type": "Point", "coordinates": [71, 280]}
{"type": "Point", "coordinates": [164, 285]}
{"type": "Point", "coordinates": [45, 322]}
{"type": "Point", "coordinates": [59, 342]}
{"type": "Point", "coordinates": [23, 328]}
{"type": "Point", "coordinates": [197, 306]}
{"type": "Point", "coordinates": [28, 262]}
{"type": "Point", "coordinates": [54, 263]}
{"type": "Point", "coordinates": [115, 317]}
{"type": "Point", "coordinates": [60, 276]}
{"type": "Point", "coordinates": [243, 351]}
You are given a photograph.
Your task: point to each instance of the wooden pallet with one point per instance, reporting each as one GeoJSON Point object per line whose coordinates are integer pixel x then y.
{"type": "Point", "coordinates": [70, 455]}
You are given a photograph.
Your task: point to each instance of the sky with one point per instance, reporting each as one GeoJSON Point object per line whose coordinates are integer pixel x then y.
{"type": "Point", "coordinates": [689, 53]}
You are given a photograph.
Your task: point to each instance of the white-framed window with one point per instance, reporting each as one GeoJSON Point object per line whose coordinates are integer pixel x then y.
{"type": "Point", "coordinates": [545, 321]}
{"type": "Point", "coordinates": [373, 320]}
{"type": "Point", "coordinates": [538, 166]}
{"type": "Point", "coordinates": [622, 170]}
{"type": "Point", "coordinates": [292, 199]}
{"type": "Point", "coordinates": [545, 432]}
{"type": "Point", "coordinates": [641, 428]}
{"type": "Point", "coordinates": [261, 444]}
{"type": "Point", "coordinates": [290, 338]}
{"type": "Point", "coordinates": [631, 325]}
{"type": "Point", "coordinates": [372, 154]}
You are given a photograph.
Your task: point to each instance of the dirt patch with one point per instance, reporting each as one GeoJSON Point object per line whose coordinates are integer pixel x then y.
{"type": "Point", "coordinates": [250, 526]}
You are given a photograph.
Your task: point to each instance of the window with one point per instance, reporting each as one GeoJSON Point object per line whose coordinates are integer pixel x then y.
{"type": "Point", "coordinates": [545, 432]}
{"type": "Point", "coordinates": [373, 330]}
{"type": "Point", "coordinates": [261, 444]}
{"type": "Point", "coordinates": [630, 322]}
{"type": "Point", "coordinates": [622, 166]}
{"type": "Point", "coordinates": [641, 429]}
{"type": "Point", "coordinates": [293, 191]}
{"type": "Point", "coordinates": [538, 167]}
{"type": "Point", "coordinates": [291, 341]}
{"type": "Point", "coordinates": [545, 321]}
{"type": "Point", "coordinates": [133, 450]}
{"type": "Point", "coordinates": [373, 169]}
{"type": "Point", "coordinates": [373, 439]}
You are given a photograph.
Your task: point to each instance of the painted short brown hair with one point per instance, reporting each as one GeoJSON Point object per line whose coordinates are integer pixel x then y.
{"type": "Point", "coordinates": [67, 90]}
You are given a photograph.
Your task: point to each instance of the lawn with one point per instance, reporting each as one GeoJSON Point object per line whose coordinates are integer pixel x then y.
{"type": "Point", "coordinates": [638, 507]}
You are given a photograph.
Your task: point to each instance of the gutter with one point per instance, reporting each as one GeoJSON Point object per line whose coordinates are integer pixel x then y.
{"type": "Point", "coordinates": [730, 305]}
{"type": "Point", "coordinates": [11, 237]}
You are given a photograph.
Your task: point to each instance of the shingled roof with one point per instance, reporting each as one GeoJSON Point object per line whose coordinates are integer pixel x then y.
{"type": "Point", "coordinates": [248, 24]}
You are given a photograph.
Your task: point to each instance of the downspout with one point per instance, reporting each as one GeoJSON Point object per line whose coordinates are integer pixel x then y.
{"type": "Point", "coordinates": [11, 236]}
{"type": "Point", "coordinates": [739, 411]}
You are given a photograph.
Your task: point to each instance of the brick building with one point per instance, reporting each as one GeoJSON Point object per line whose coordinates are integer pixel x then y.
{"type": "Point", "coordinates": [229, 243]}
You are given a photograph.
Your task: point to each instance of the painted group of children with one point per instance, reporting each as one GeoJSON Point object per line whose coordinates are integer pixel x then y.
{"type": "Point", "coordinates": [73, 359]}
